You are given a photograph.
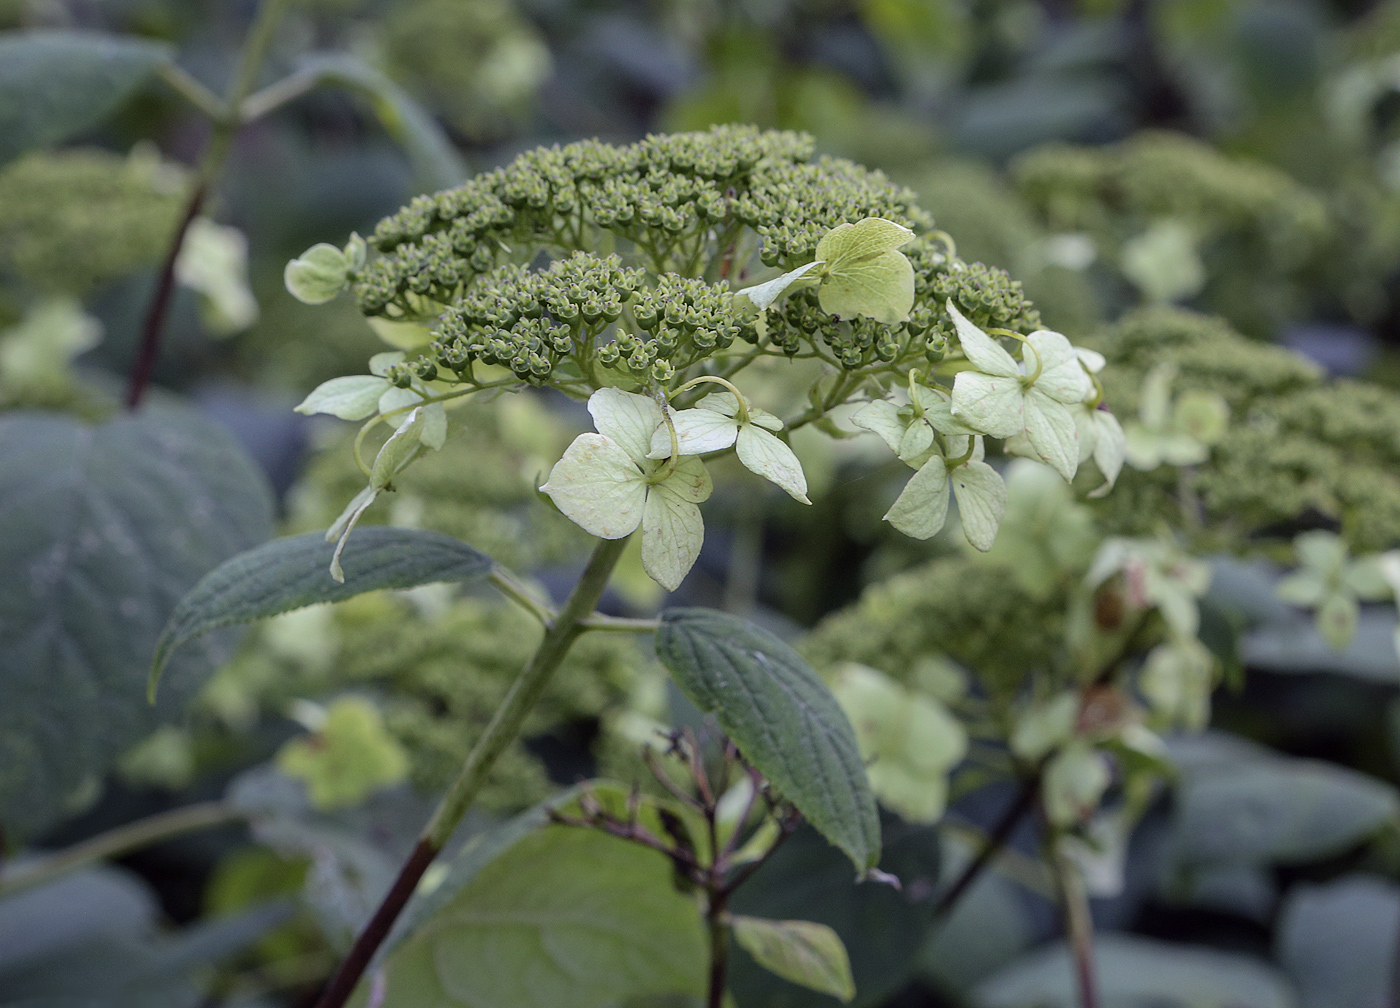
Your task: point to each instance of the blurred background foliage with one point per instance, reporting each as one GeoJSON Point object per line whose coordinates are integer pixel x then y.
{"type": "Point", "coordinates": [1214, 184]}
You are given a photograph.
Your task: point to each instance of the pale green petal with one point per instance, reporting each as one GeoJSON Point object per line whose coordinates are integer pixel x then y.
{"type": "Point", "coordinates": [351, 513]}
{"type": "Point", "coordinates": [1045, 726]}
{"type": "Point", "coordinates": [689, 480]}
{"type": "Point", "coordinates": [317, 275]}
{"type": "Point", "coordinates": [598, 487]}
{"type": "Point", "coordinates": [1050, 426]}
{"type": "Point", "coordinates": [985, 353]}
{"type": "Point", "coordinates": [1321, 550]}
{"type": "Point", "coordinates": [917, 440]}
{"type": "Point", "coordinates": [380, 363]}
{"type": "Point", "coordinates": [397, 452]}
{"type": "Point", "coordinates": [1062, 377]}
{"type": "Point", "coordinates": [626, 418]}
{"type": "Point", "coordinates": [353, 397]}
{"type": "Point", "coordinates": [724, 403]}
{"type": "Point", "coordinates": [1181, 450]}
{"type": "Point", "coordinates": [434, 426]}
{"type": "Point", "coordinates": [922, 508]}
{"type": "Point", "coordinates": [697, 431]}
{"type": "Point", "coordinates": [938, 410]}
{"type": "Point", "coordinates": [1110, 448]}
{"type": "Point", "coordinates": [866, 239]}
{"type": "Point", "coordinates": [1156, 396]}
{"type": "Point", "coordinates": [1075, 781]}
{"type": "Point", "coordinates": [981, 497]}
{"type": "Point", "coordinates": [989, 404]}
{"type": "Point", "coordinates": [404, 335]}
{"type": "Point", "coordinates": [1302, 589]}
{"type": "Point", "coordinates": [881, 417]}
{"type": "Point", "coordinates": [1141, 447]}
{"type": "Point", "coordinates": [764, 294]}
{"type": "Point", "coordinates": [770, 457]}
{"type": "Point", "coordinates": [672, 533]}
{"type": "Point", "coordinates": [881, 288]}
{"type": "Point", "coordinates": [1091, 359]}
{"type": "Point", "coordinates": [764, 419]}
{"type": "Point", "coordinates": [1366, 580]}
{"type": "Point", "coordinates": [1337, 619]}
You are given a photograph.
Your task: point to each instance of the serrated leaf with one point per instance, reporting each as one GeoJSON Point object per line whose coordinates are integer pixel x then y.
{"type": "Point", "coordinates": [804, 952]}
{"type": "Point", "coordinates": [291, 573]}
{"type": "Point", "coordinates": [558, 916]}
{"type": "Point", "coordinates": [102, 529]}
{"type": "Point", "coordinates": [56, 84]}
{"type": "Point", "coordinates": [782, 717]}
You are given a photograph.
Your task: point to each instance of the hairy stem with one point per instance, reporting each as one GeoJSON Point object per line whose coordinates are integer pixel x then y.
{"type": "Point", "coordinates": [210, 165]}
{"type": "Point", "coordinates": [504, 728]}
{"type": "Point", "coordinates": [121, 840]}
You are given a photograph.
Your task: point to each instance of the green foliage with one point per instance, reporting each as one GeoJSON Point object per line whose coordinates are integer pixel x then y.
{"type": "Point", "coordinates": [73, 219]}
{"type": "Point", "coordinates": [478, 61]}
{"type": "Point", "coordinates": [290, 573]}
{"type": "Point", "coordinates": [55, 84]}
{"type": "Point", "coordinates": [1296, 442]}
{"type": "Point", "coordinates": [560, 916]}
{"type": "Point", "coordinates": [96, 569]}
{"type": "Point", "coordinates": [805, 953]}
{"type": "Point", "coordinates": [347, 758]}
{"type": "Point", "coordinates": [781, 716]}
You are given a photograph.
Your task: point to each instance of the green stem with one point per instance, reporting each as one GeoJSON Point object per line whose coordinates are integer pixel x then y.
{"type": "Point", "coordinates": [119, 841]}
{"type": "Point", "coordinates": [560, 634]}
{"type": "Point", "coordinates": [1079, 923]}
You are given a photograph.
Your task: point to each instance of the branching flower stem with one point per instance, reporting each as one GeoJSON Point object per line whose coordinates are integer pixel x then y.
{"type": "Point", "coordinates": [560, 634]}
{"type": "Point", "coordinates": [211, 164]}
{"type": "Point", "coordinates": [997, 839]}
{"type": "Point", "coordinates": [1079, 923]}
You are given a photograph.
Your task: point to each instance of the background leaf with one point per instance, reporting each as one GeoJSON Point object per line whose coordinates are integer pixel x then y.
{"type": "Point", "coordinates": [561, 916]}
{"type": "Point", "coordinates": [882, 928]}
{"type": "Point", "coordinates": [102, 529]}
{"type": "Point", "coordinates": [293, 572]}
{"type": "Point", "coordinates": [804, 952]}
{"type": "Point", "coordinates": [781, 715]}
{"type": "Point", "coordinates": [55, 84]}
{"type": "Point", "coordinates": [1337, 941]}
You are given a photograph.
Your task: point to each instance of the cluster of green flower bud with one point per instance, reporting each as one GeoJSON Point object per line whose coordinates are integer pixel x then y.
{"type": "Point", "coordinates": [659, 200]}
{"type": "Point", "coordinates": [77, 218]}
{"type": "Point", "coordinates": [1296, 444]}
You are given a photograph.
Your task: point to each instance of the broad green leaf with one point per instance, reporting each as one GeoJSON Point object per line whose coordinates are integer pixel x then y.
{"type": "Point", "coordinates": [290, 573]}
{"type": "Point", "coordinates": [763, 295]}
{"type": "Point", "coordinates": [56, 84]}
{"type": "Point", "coordinates": [353, 397]}
{"type": "Point", "coordinates": [801, 951]}
{"type": "Point", "coordinates": [560, 916]}
{"type": "Point", "coordinates": [881, 288]}
{"type": "Point", "coordinates": [866, 239]}
{"type": "Point", "coordinates": [1134, 971]}
{"type": "Point", "coordinates": [981, 497]}
{"type": "Point", "coordinates": [1278, 810]}
{"type": "Point", "coordinates": [102, 529]}
{"type": "Point", "coordinates": [782, 717]}
{"type": "Point", "coordinates": [921, 509]}
{"type": "Point", "coordinates": [1337, 940]}
{"type": "Point", "coordinates": [672, 534]}
{"type": "Point", "coordinates": [769, 456]}
{"type": "Point", "coordinates": [882, 928]}
{"type": "Point", "coordinates": [317, 275]}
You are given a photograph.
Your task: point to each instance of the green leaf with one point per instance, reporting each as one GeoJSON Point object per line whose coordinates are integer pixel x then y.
{"type": "Point", "coordinates": [882, 928]}
{"type": "Point", "coordinates": [782, 717]}
{"type": "Point", "coordinates": [805, 953]}
{"type": "Point", "coordinates": [558, 916]}
{"type": "Point", "coordinates": [56, 84]}
{"type": "Point", "coordinates": [1140, 971]}
{"type": "Point", "coordinates": [1337, 940]}
{"type": "Point", "coordinates": [291, 573]}
{"type": "Point", "coordinates": [435, 162]}
{"type": "Point", "coordinates": [1278, 810]}
{"type": "Point", "coordinates": [102, 529]}
{"type": "Point", "coordinates": [348, 758]}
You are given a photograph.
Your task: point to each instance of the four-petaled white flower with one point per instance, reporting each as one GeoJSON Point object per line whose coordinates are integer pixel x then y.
{"type": "Point", "coordinates": [716, 422]}
{"type": "Point", "coordinates": [606, 484]}
{"type": "Point", "coordinates": [921, 509]}
{"type": "Point", "coordinates": [999, 398]}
